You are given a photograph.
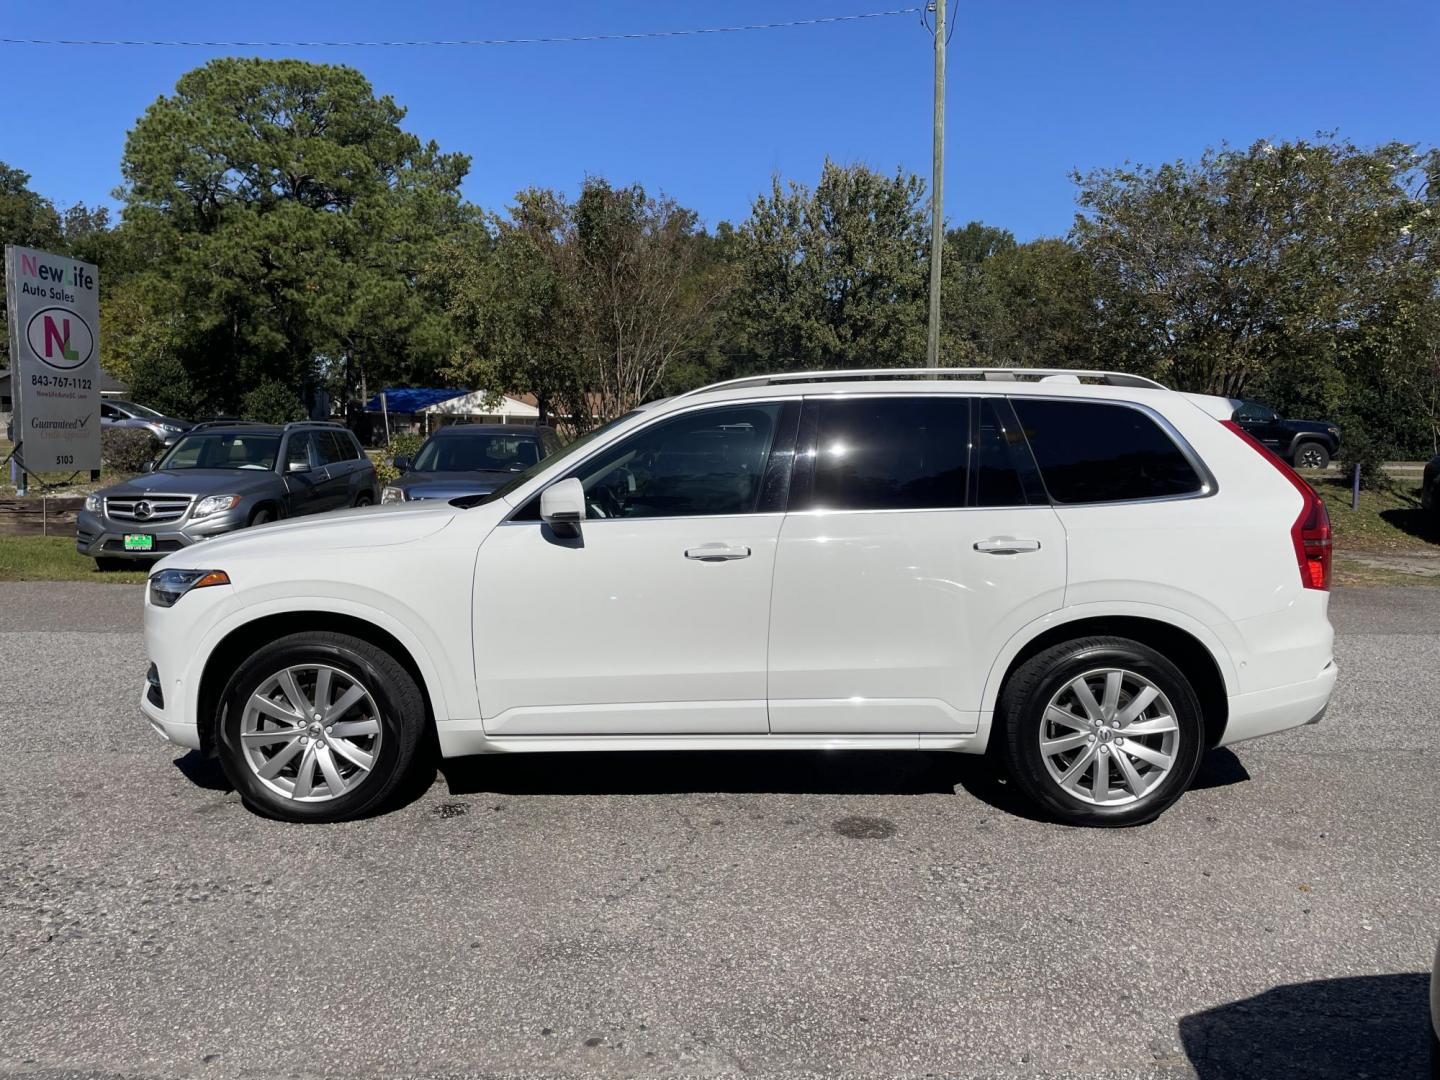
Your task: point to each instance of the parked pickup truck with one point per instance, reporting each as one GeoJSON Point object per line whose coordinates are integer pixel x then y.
{"type": "Point", "coordinates": [1305, 444]}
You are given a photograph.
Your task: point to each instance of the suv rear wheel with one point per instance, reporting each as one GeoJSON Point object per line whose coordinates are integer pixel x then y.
{"type": "Point", "coordinates": [320, 727]}
{"type": "Point", "coordinates": [1101, 731]}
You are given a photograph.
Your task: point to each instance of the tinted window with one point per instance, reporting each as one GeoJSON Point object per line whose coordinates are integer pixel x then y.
{"type": "Point", "coordinates": [890, 453]}
{"type": "Point", "coordinates": [1090, 451]}
{"type": "Point", "coordinates": [1000, 457]}
{"type": "Point", "coordinates": [708, 462]}
{"type": "Point", "coordinates": [331, 447]}
{"type": "Point", "coordinates": [1253, 411]}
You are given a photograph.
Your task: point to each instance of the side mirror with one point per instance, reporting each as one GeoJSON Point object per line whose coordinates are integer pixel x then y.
{"type": "Point", "coordinates": [149, 466]}
{"type": "Point", "coordinates": [562, 506]}
{"type": "Point", "coordinates": [298, 466]}
{"type": "Point", "coordinates": [402, 463]}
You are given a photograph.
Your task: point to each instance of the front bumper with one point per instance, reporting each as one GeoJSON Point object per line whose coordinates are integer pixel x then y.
{"type": "Point", "coordinates": [101, 538]}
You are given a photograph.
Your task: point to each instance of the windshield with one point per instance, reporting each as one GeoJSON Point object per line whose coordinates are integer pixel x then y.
{"type": "Point", "coordinates": [232, 450]}
{"type": "Point", "coordinates": [478, 452]}
{"type": "Point", "coordinates": [138, 410]}
{"type": "Point", "coordinates": [467, 501]}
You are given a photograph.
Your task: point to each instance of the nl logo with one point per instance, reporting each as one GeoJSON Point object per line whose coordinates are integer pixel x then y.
{"type": "Point", "coordinates": [60, 338]}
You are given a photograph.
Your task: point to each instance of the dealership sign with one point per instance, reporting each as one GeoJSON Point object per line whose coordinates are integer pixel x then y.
{"type": "Point", "coordinates": [54, 309]}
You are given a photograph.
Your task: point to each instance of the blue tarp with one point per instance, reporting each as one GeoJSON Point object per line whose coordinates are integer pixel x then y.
{"type": "Point", "coordinates": [411, 400]}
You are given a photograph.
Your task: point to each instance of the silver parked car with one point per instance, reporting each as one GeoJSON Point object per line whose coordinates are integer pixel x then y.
{"type": "Point", "coordinates": [224, 476]}
{"type": "Point", "coordinates": [126, 414]}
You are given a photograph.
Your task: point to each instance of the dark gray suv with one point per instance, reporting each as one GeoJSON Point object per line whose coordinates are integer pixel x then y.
{"type": "Point", "coordinates": [224, 476]}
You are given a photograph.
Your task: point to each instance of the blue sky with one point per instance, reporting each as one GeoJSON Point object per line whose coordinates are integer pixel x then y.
{"type": "Point", "coordinates": [1036, 88]}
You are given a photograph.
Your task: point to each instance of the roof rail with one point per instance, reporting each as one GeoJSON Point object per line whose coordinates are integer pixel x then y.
{"type": "Point", "coordinates": [224, 423]}
{"type": "Point", "coordinates": [314, 423]}
{"type": "Point", "coordinates": [992, 374]}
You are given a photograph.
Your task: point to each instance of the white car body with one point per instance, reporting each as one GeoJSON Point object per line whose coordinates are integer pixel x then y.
{"type": "Point", "coordinates": [842, 629]}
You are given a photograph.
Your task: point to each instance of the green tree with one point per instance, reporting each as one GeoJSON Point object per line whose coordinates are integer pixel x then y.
{"type": "Point", "coordinates": [26, 219]}
{"type": "Point", "coordinates": [1247, 269]}
{"type": "Point", "coordinates": [835, 276]}
{"type": "Point", "coordinates": [588, 303]}
{"type": "Point", "coordinates": [284, 206]}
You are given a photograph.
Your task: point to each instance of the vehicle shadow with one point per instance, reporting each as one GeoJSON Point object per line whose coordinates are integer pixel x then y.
{"type": "Point", "coordinates": [1419, 523]}
{"type": "Point", "coordinates": [784, 772]}
{"type": "Point", "coordinates": [1374, 1025]}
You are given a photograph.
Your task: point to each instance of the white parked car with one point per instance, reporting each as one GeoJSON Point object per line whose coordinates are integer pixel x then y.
{"type": "Point", "coordinates": [1095, 575]}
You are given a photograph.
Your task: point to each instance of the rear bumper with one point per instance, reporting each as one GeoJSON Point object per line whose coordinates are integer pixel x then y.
{"type": "Point", "coordinates": [1265, 712]}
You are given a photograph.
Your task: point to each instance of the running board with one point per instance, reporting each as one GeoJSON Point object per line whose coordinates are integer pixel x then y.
{"type": "Point", "coordinates": [459, 738]}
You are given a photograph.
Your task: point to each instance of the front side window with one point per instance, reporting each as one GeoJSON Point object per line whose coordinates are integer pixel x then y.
{"type": "Point", "coordinates": [897, 453]}
{"type": "Point", "coordinates": [1095, 451]}
{"type": "Point", "coordinates": [708, 462]}
{"type": "Point", "coordinates": [216, 451]}
{"type": "Point", "coordinates": [332, 448]}
{"type": "Point", "coordinates": [297, 451]}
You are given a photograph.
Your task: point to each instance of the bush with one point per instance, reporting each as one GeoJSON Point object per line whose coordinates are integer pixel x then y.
{"type": "Point", "coordinates": [402, 444]}
{"type": "Point", "coordinates": [126, 450]}
{"type": "Point", "coordinates": [272, 403]}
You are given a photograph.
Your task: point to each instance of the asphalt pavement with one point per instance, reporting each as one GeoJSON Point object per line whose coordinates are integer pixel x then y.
{"type": "Point", "coordinates": [711, 914]}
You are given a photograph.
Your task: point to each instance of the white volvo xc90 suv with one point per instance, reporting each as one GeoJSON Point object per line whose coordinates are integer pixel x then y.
{"type": "Point", "coordinates": [1093, 576]}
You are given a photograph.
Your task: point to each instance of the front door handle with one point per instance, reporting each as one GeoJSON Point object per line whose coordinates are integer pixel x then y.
{"type": "Point", "coordinates": [717, 552]}
{"type": "Point", "coordinates": [1006, 545]}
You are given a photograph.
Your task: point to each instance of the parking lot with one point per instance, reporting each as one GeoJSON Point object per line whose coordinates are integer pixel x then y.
{"type": "Point", "coordinates": [718, 914]}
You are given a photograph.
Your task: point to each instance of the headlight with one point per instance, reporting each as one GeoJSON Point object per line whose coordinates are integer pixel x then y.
{"type": "Point", "coordinates": [392, 494]}
{"type": "Point", "coordinates": [214, 504]}
{"type": "Point", "coordinates": [93, 503]}
{"type": "Point", "coordinates": [168, 586]}
{"type": "Point", "coordinates": [1333, 430]}
{"type": "Point", "coordinates": [169, 427]}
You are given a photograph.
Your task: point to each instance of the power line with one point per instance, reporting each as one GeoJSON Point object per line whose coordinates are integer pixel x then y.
{"type": "Point", "coordinates": [822, 21]}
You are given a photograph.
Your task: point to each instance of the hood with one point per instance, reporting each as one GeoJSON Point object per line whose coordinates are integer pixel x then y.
{"type": "Point", "coordinates": [1310, 425]}
{"type": "Point", "coordinates": [451, 485]}
{"type": "Point", "coordinates": [196, 482]}
{"type": "Point", "coordinates": [339, 530]}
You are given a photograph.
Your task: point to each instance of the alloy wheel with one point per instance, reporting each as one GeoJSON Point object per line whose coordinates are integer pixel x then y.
{"type": "Point", "coordinates": [1109, 737]}
{"type": "Point", "coordinates": [311, 733]}
{"type": "Point", "coordinates": [1310, 458]}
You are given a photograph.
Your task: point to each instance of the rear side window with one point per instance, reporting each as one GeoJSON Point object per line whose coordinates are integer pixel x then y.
{"type": "Point", "coordinates": [890, 453]}
{"type": "Point", "coordinates": [1094, 451]}
{"type": "Point", "coordinates": [332, 448]}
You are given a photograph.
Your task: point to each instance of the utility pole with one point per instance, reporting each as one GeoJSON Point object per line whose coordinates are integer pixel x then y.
{"type": "Point", "coordinates": [937, 189]}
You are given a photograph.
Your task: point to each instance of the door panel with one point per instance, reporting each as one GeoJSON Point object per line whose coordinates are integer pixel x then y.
{"type": "Point", "coordinates": [619, 632]}
{"type": "Point", "coordinates": [653, 618]}
{"type": "Point", "coordinates": [906, 563]}
{"type": "Point", "coordinates": [888, 621]}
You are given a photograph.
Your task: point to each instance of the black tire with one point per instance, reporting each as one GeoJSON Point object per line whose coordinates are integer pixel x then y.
{"type": "Point", "coordinates": [1020, 722]}
{"type": "Point", "coordinates": [364, 499]}
{"type": "Point", "coordinates": [401, 715]}
{"type": "Point", "coordinates": [1312, 455]}
{"type": "Point", "coordinates": [263, 515]}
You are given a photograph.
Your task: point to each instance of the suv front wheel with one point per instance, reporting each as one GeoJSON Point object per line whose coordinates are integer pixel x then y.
{"type": "Point", "coordinates": [320, 727]}
{"type": "Point", "coordinates": [1100, 731]}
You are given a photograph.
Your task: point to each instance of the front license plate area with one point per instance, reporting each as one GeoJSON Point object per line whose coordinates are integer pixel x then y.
{"type": "Point", "coordinates": [139, 542]}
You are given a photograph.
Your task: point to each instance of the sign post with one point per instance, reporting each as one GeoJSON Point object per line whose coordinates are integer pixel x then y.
{"type": "Point", "coordinates": [54, 308]}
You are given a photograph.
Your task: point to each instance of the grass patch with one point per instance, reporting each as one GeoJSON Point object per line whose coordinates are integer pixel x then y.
{"type": "Point", "coordinates": [1352, 573]}
{"type": "Point", "coordinates": [1390, 520]}
{"type": "Point", "coordinates": [54, 558]}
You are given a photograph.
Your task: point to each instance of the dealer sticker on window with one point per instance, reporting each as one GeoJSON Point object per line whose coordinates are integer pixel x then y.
{"type": "Point", "coordinates": [139, 542]}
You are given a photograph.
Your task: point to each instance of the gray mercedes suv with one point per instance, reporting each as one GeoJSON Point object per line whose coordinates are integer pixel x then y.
{"type": "Point", "coordinates": [220, 477]}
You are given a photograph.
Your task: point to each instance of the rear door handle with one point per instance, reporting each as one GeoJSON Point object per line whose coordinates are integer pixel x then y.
{"type": "Point", "coordinates": [717, 552]}
{"type": "Point", "coordinates": [1006, 545]}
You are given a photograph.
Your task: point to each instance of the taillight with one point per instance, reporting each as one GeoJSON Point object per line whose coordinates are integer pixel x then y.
{"type": "Point", "coordinates": [1311, 531]}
